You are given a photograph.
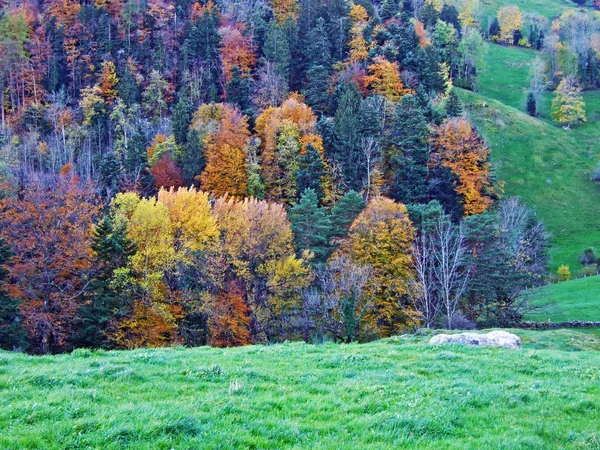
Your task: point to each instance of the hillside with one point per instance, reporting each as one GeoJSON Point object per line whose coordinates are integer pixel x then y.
{"type": "Point", "coordinates": [543, 164]}
{"type": "Point", "coordinates": [571, 300]}
{"type": "Point", "coordinates": [395, 393]}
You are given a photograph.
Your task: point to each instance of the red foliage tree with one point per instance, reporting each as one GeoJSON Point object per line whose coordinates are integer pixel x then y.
{"type": "Point", "coordinates": [166, 173]}
{"type": "Point", "coordinates": [48, 227]}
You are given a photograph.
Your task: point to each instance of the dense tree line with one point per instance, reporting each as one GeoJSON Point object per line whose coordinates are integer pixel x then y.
{"type": "Point", "coordinates": [232, 172]}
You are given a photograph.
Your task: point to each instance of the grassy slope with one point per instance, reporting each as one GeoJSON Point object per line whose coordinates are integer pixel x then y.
{"type": "Point", "coordinates": [547, 8]}
{"type": "Point", "coordinates": [396, 393]}
{"type": "Point", "coordinates": [543, 164]}
{"type": "Point", "coordinates": [571, 300]}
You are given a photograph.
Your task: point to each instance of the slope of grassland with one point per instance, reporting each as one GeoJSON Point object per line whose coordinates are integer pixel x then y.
{"type": "Point", "coordinates": [390, 394]}
{"type": "Point", "coordinates": [548, 168]}
{"type": "Point", "coordinates": [546, 8]}
{"type": "Point", "coordinates": [572, 300]}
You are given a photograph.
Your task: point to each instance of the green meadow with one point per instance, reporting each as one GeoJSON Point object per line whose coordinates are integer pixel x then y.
{"type": "Point", "coordinates": [390, 394]}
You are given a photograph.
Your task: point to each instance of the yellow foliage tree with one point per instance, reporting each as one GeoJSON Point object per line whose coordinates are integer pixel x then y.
{"type": "Point", "coordinates": [359, 18]}
{"type": "Point", "coordinates": [284, 10]}
{"type": "Point", "coordinates": [568, 106]}
{"type": "Point", "coordinates": [381, 238]}
{"type": "Point", "coordinates": [510, 20]}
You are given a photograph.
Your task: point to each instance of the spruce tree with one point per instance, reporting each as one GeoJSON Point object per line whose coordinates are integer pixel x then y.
{"type": "Point", "coordinates": [347, 136]}
{"type": "Point", "coordinates": [238, 90]}
{"type": "Point", "coordinates": [494, 30]}
{"type": "Point", "coordinates": [316, 89]}
{"type": "Point", "coordinates": [112, 249]}
{"type": "Point", "coordinates": [344, 212]}
{"type": "Point", "coordinates": [12, 333]}
{"type": "Point", "coordinates": [182, 117]}
{"type": "Point", "coordinates": [310, 171]}
{"type": "Point", "coordinates": [453, 105]}
{"type": "Point", "coordinates": [408, 154]}
{"type": "Point", "coordinates": [311, 226]}
{"type": "Point", "coordinates": [277, 50]}
{"type": "Point", "coordinates": [531, 105]}
{"type": "Point", "coordinates": [110, 173]}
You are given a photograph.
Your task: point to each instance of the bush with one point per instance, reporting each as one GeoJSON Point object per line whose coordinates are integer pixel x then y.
{"type": "Point", "coordinates": [564, 273]}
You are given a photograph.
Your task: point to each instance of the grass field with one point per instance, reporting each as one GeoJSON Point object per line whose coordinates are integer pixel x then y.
{"type": "Point", "coordinates": [572, 300]}
{"type": "Point", "coordinates": [545, 165]}
{"type": "Point", "coordinates": [390, 394]}
{"type": "Point", "coordinates": [547, 8]}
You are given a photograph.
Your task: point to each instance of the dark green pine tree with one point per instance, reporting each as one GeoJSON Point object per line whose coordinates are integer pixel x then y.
{"type": "Point", "coordinates": [310, 171]}
{"type": "Point", "coordinates": [431, 114]}
{"type": "Point", "coordinates": [311, 226]}
{"type": "Point", "coordinates": [277, 50]}
{"type": "Point", "coordinates": [344, 212]}
{"type": "Point", "coordinates": [531, 105]}
{"type": "Point", "coordinates": [346, 145]}
{"type": "Point", "coordinates": [238, 90]}
{"type": "Point", "coordinates": [429, 15]}
{"type": "Point", "coordinates": [408, 154]}
{"type": "Point", "coordinates": [110, 173]}
{"type": "Point", "coordinates": [389, 8]}
{"type": "Point", "coordinates": [316, 89]}
{"type": "Point", "coordinates": [127, 88]}
{"type": "Point", "coordinates": [193, 160]}
{"type": "Point", "coordinates": [318, 47]}
{"type": "Point", "coordinates": [112, 249]}
{"type": "Point", "coordinates": [494, 30]}
{"type": "Point", "coordinates": [182, 117]}
{"type": "Point", "coordinates": [453, 106]}
{"type": "Point", "coordinates": [12, 333]}
{"type": "Point", "coordinates": [449, 14]}
{"type": "Point", "coordinates": [338, 26]}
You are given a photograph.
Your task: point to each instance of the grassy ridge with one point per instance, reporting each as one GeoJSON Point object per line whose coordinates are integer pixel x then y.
{"type": "Point", "coordinates": [568, 301]}
{"type": "Point", "coordinates": [395, 393]}
{"type": "Point", "coordinates": [545, 165]}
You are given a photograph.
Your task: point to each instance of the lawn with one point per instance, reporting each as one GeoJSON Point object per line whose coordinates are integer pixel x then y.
{"type": "Point", "coordinates": [390, 394]}
{"type": "Point", "coordinates": [545, 165]}
{"type": "Point", "coordinates": [546, 8]}
{"type": "Point", "coordinates": [571, 300]}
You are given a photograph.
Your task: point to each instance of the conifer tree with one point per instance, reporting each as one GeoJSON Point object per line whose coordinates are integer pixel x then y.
{"type": "Point", "coordinates": [112, 248]}
{"type": "Point", "coordinates": [310, 171]}
{"type": "Point", "coordinates": [310, 225]}
{"type": "Point", "coordinates": [12, 333]}
{"type": "Point", "coordinates": [409, 153]}
{"type": "Point", "coordinates": [345, 211]}
{"type": "Point", "coordinates": [531, 105]}
{"type": "Point", "coordinates": [182, 117]}
{"type": "Point", "coordinates": [453, 105]}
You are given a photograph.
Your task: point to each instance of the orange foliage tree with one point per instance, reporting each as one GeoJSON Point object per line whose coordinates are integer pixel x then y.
{"type": "Point", "coordinates": [229, 319]}
{"type": "Point", "coordinates": [284, 10]}
{"type": "Point", "coordinates": [458, 147]}
{"type": "Point", "coordinates": [226, 136]}
{"type": "Point", "coordinates": [384, 79]}
{"type": "Point", "coordinates": [284, 133]}
{"type": "Point", "coordinates": [48, 227]}
{"type": "Point", "coordinates": [237, 49]}
{"type": "Point", "coordinates": [359, 18]}
{"type": "Point", "coordinates": [108, 82]}
{"type": "Point", "coordinates": [257, 248]}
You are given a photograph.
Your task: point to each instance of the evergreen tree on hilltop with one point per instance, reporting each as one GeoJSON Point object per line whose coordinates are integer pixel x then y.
{"type": "Point", "coordinates": [311, 226]}
{"type": "Point", "coordinates": [12, 333]}
{"type": "Point", "coordinates": [112, 248]}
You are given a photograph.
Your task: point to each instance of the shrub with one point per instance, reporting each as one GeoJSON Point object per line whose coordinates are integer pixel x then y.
{"type": "Point", "coordinates": [564, 273]}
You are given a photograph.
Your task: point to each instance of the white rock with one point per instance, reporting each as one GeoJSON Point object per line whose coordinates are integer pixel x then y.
{"type": "Point", "coordinates": [491, 339]}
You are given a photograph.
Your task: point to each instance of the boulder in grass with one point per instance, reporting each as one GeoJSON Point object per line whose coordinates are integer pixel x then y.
{"type": "Point", "coordinates": [491, 339]}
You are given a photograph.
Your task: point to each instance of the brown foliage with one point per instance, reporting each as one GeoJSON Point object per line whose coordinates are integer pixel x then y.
{"type": "Point", "coordinates": [166, 173]}
{"type": "Point", "coordinates": [48, 228]}
{"type": "Point", "coordinates": [229, 320]}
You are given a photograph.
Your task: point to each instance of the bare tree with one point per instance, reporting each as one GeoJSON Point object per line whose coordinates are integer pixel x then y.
{"type": "Point", "coordinates": [423, 290]}
{"type": "Point", "coordinates": [345, 302]}
{"type": "Point", "coordinates": [450, 267]}
{"type": "Point", "coordinates": [270, 88]}
{"type": "Point", "coordinates": [371, 152]}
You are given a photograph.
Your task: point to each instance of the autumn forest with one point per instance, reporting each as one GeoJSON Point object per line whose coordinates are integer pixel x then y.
{"type": "Point", "coordinates": [229, 172]}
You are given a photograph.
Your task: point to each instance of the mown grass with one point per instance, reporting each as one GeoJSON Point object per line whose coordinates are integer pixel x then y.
{"type": "Point", "coordinates": [568, 301]}
{"type": "Point", "coordinates": [395, 393]}
{"type": "Point", "coordinates": [547, 166]}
